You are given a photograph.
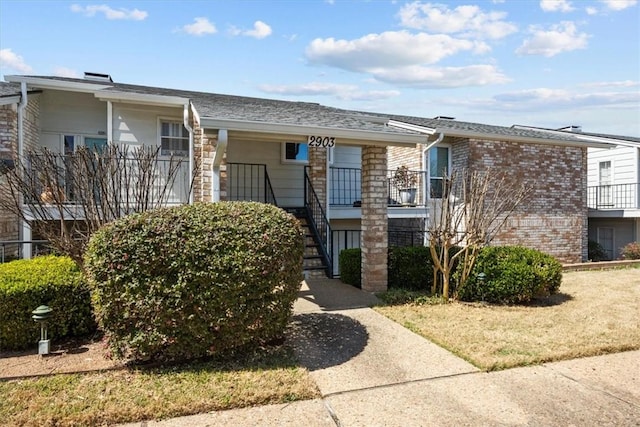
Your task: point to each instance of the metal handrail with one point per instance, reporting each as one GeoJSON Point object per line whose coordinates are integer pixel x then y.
{"type": "Point", "coordinates": [19, 249]}
{"type": "Point", "coordinates": [318, 222]}
{"type": "Point", "coordinates": [615, 196]}
{"type": "Point", "coordinates": [243, 183]}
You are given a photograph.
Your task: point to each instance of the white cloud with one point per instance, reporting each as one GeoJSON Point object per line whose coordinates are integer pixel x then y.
{"type": "Point", "coordinates": [619, 4]}
{"type": "Point", "coordinates": [562, 37]}
{"type": "Point", "coordinates": [622, 83]}
{"type": "Point", "coordinates": [109, 13]}
{"type": "Point", "coordinates": [545, 98]}
{"type": "Point", "coordinates": [340, 91]}
{"type": "Point", "coordinates": [441, 77]}
{"type": "Point", "coordinates": [65, 72]}
{"type": "Point", "coordinates": [260, 30]}
{"type": "Point", "coordinates": [591, 10]}
{"type": "Point", "coordinates": [11, 60]}
{"type": "Point", "coordinates": [556, 5]}
{"type": "Point", "coordinates": [387, 50]}
{"type": "Point", "coordinates": [465, 20]}
{"type": "Point", "coordinates": [200, 27]}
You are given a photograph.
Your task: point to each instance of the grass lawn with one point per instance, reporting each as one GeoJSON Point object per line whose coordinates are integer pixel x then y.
{"type": "Point", "coordinates": [595, 312]}
{"type": "Point", "coordinates": [127, 395]}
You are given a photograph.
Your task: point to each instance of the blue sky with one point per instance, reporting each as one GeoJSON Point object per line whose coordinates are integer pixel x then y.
{"type": "Point", "coordinates": [548, 63]}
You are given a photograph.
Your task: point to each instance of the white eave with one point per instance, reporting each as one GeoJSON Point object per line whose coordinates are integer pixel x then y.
{"type": "Point", "coordinates": [583, 140]}
{"type": "Point", "coordinates": [57, 84]}
{"type": "Point", "coordinates": [523, 139]}
{"type": "Point", "coordinates": [142, 98]}
{"type": "Point", "coordinates": [286, 132]}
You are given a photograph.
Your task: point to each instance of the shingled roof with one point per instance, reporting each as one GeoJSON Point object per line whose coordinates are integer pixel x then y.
{"type": "Point", "coordinates": [271, 111]}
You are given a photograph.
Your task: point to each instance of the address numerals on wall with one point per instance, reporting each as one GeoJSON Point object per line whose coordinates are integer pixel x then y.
{"type": "Point", "coordinates": [321, 141]}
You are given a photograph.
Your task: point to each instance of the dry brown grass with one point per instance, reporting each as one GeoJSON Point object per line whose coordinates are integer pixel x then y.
{"type": "Point", "coordinates": [596, 312]}
{"type": "Point", "coordinates": [109, 397]}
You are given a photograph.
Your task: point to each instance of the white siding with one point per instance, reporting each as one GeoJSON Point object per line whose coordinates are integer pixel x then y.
{"type": "Point", "coordinates": [72, 113]}
{"type": "Point", "coordinates": [287, 179]}
{"type": "Point", "coordinates": [138, 125]}
{"type": "Point", "coordinates": [345, 175]}
{"type": "Point", "coordinates": [623, 165]}
{"type": "Point", "coordinates": [346, 156]}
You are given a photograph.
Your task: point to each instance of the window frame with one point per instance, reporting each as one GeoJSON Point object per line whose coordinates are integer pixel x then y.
{"type": "Point", "coordinates": [180, 153]}
{"type": "Point", "coordinates": [427, 162]}
{"type": "Point", "coordinates": [283, 154]}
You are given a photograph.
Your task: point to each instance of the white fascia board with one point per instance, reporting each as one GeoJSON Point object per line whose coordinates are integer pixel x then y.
{"type": "Point", "coordinates": [603, 142]}
{"type": "Point", "coordinates": [7, 100]}
{"type": "Point", "coordinates": [374, 137]}
{"type": "Point", "coordinates": [522, 139]}
{"type": "Point", "coordinates": [142, 98]}
{"type": "Point", "coordinates": [56, 84]}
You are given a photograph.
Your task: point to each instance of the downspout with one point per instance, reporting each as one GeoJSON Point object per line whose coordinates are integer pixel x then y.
{"type": "Point", "coordinates": [26, 227]}
{"type": "Point", "coordinates": [438, 140]}
{"type": "Point", "coordinates": [109, 122]}
{"type": "Point", "coordinates": [221, 148]}
{"type": "Point", "coordinates": [185, 117]}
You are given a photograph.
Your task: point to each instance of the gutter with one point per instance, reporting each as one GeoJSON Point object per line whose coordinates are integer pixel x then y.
{"type": "Point", "coordinates": [21, 107]}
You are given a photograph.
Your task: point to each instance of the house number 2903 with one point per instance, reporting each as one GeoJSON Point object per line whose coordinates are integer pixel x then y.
{"type": "Point", "coordinates": [321, 141]}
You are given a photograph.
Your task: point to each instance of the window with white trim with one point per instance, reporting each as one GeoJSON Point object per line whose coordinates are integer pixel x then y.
{"type": "Point", "coordinates": [174, 139]}
{"type": "Point", "coordinates": [298, 152]}
{"type": "Point", "coordinates": [439, 164]}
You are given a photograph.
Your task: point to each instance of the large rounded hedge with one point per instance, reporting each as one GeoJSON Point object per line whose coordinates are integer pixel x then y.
{"type": "Point", "coordinates": [512, 274]}
{"type": "Point", "coordinates": [50, 280]}
{"type": "Point", "coordinates": [191, 281]}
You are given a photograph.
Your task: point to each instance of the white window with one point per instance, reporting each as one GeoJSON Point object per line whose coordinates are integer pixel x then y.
{"type": "Point", "coordinates": [174, 139]}
{"type": "Point", "coordinates": [298, 152]}
{"type": "Point", "coordinates": [604, 175]}
{"type": "Point", "coordinates": [439, 166]}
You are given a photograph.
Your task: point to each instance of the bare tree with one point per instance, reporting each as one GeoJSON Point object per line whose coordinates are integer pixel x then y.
{"type": "Point", "coordinates": [66, 198]}
{"type": "Point", "coordinates": [473, 208]}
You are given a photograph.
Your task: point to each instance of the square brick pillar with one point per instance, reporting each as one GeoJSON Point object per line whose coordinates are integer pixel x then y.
{"type": "Point", "coordinates": [374, 239]}
{"type": "Point", "coordinates": [318, 173]}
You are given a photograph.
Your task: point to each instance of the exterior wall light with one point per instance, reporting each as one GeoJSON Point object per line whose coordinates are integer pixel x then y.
{"type": "Point", "coordinates": [41, 315]}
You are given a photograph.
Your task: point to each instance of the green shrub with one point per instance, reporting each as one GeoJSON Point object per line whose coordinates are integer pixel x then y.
{"type": "Point", "coordinates": [410, 268]}
{"type": "Point", "coordinates": [191, 281]}
{"type": "Point", "coordinates": [631, 251]}
{"type": "Point", "coordinates": [50, 280]}
{"type": "Point", "coordinates": [597, 252]}
{"type": "Point", "coordinates": [513, 274]}
{"type": "Point", "coordinates": [349, 265]}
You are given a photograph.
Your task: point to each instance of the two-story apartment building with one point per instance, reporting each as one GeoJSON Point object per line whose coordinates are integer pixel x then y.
{"type": "Point", "coordinates": [334, 167]}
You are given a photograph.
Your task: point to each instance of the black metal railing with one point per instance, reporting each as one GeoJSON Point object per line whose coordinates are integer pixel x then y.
{"type": "Point", "coordinates": [14, 249]}
{"type": "Point", "coordinates": [618, 196]}
{"type": "Point", "coordinates": [406, 189]}
{"type": "Point", "coordinates": [346, 186]}
{"type": "Point", "coordinates": [163, 180]}
{"type": "Point", "coordinates": [249, 182]}
{"type": "Point", "coordinates": [318, 222]}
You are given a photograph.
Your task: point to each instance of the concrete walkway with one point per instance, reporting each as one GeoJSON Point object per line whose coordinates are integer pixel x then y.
{"type": "Point", "coordinates": [373, 372]}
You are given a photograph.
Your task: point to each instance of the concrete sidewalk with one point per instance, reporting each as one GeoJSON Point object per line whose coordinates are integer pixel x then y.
{"type": "Point", "coordinates": [373, 372]}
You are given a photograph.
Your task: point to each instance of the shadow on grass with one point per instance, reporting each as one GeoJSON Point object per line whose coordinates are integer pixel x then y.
{"type": "Point", "coordinates": [321, 340]}
{"type": "Point", "coordinates": [550, 301]}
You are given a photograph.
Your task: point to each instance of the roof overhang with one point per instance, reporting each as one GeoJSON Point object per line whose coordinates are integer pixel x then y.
{"type": "Point", "coordinates": [56, 84]}
{"type": "Point", "coordinates": [583, 140]}
{"type": "Point", "coordinates": [142, 98]}
{"type": "Point", "coordinates": [522, 139]}
{"type": "Point", "coordinates": [283, 132]}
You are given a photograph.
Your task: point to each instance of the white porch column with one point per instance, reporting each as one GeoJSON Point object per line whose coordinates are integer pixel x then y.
{"type": "Point", "coordinates": [26, 235]}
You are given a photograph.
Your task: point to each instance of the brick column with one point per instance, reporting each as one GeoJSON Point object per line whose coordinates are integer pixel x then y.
{"type": "Point", "coordinates": [318, 173]}
{"type": "Point", "coordinates": [374, 239]}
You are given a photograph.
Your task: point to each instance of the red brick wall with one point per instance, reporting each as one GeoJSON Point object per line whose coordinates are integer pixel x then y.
{"type": "Point", "coordinates": [554, 217]}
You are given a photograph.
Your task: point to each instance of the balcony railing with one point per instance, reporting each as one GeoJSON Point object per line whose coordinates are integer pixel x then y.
{"type": "Point", "coordinates": [346, 186]}
{"type": "Point", "coordinates": [123, 179]}
{"type": "Point", "coordinates": [619, 196]}
{"type": "Point", "coordinates": [249, 182]}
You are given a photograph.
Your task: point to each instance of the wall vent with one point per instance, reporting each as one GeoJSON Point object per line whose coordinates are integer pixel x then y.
{"type": "Point", "coordinates": [572, 128]}
{"type": "Point", "coordinates": [444, 118]}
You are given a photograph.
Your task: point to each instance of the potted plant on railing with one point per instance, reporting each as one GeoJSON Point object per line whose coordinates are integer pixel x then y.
{"type": "Point", "coordinates": [405, 181]}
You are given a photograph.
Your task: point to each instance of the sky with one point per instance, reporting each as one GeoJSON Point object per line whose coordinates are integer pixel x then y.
{"type": "Point", "coordinates": [546, 63]}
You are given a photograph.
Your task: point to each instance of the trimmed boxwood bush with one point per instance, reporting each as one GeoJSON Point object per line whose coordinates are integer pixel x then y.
{"type": "Point", "coordinates": [50, 280]}
{"type": "Point", "coordinates": [410, 268]}
{"type": "Point", "coordinates": [191, 281]}
{"type": "Point", "coordinates": [513, 274]}
{"type": "Point", "coordinates": [349, 264]}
